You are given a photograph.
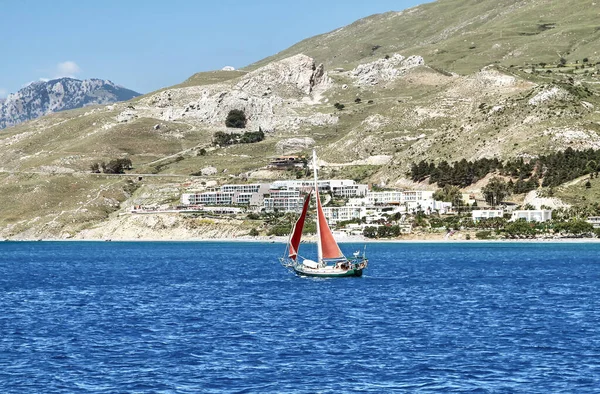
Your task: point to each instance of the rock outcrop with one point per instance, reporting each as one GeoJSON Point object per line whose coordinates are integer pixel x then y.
{"type": "Point", "coordinates": [293, 145]}
{"type": "Point", "coordinates": [386, 69]}
{"type": "Point", "coordinates": [269, 97]}
{"type": "Point", "coordinates": [549, 93]}
{"type": "Point", "coordinates": [42, 98]}
{"type": "Point", "coordinates": [206, 171]}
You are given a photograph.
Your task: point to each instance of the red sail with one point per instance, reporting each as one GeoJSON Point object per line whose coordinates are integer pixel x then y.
{"type": "Point", "coordinates": [297, 235]}
{"type": "Point", "coordinates": [329, 247]}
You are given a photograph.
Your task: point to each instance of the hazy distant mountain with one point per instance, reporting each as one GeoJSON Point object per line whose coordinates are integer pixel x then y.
{"type": "Point", "coordinates": [42, 98]}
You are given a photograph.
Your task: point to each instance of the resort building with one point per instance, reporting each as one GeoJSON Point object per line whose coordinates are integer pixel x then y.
{"type": "Point", "coordinates": [537, 215]}
{"type": "Point", "coordinates": [398, 197]}
{"type": "Point", "coordinates": [345, 213]}
{"type": "Point", "coordinates": [250, 195]}
{"type": "Point", "coordinates": [427, 206]}
{"type": "Point", "coordinates": [249, 188]}
{"type": "Point", "coordinates": [288, 196]}
{"type": "Point", "coordinates": [338, 187]}
{"type": "Point", "coordinates": [482, 214]}
{"type": "Point", "coordinates": [207, 198]}
{"type": "Point", "coordinates": [283, 200]}
{"type": "Point", "coordinates": [347, 188]}
{"type": "Point", "coordinates": [285, 162]}
{"type": "Point", "coordinates": [594, 221]}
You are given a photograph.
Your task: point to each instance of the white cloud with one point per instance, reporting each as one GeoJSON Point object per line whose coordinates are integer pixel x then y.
{"type": "Point", "coordinates": [67, 69]}
{"type": "Point", "coordinates": [3, 93]}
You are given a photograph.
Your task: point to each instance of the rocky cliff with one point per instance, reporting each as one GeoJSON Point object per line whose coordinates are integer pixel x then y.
{"type": "Point", "coordinates": [272, 97]}
{"type": "Point", "coordinates": [42, 98]}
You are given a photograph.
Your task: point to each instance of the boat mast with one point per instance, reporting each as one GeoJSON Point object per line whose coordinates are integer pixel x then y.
{"type": "Point", "coordinates": [319, 246]}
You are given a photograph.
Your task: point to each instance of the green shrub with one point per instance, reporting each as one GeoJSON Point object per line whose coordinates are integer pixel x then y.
{"type": "Point", "coordinates": [280, 230]}
{"type": "Point", "coordinates": [223, 139]}
{"type": "Point", "coordinates": [252, 136]}
{"type": "Point", "coordinates": [310, 227]}
{"type": "Point", "coordinates": [520, 227]}
{"type": "Point", "coordinates": [116, 166]}
{"type": "Point", "coordinates": [370, 232]}
{"type": "Point", "coordinates": [483, 234]}
{"type": "Point", "coordinates": [575, 227]}
{"type": "Point", "coordinates": [236, 119]}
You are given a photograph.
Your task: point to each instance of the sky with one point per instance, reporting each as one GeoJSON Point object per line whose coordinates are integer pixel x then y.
{"type": "Point", "coordinates": [145, 45]}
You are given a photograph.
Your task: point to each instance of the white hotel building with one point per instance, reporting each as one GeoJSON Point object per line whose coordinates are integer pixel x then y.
{"type": "Point", "coordinates": [341, 214]}
{"type": "Point", "coordinates": [250, 194]}
{"type": "Point", "coordinates": [288, 196]}
{"type": "Point", "coordinates": [283, 200]}
{"type": "Point", "coordinates": [338, 187]}
{"type": "Point", "coordinates": [398, 197]}
{"type": "Point", "coordinates": [483, 214]}
{"type": "Point", "coordinates": [537, 215]}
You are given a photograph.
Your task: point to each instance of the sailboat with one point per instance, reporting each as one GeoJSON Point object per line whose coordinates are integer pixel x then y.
{"type": "Point", "coordinates": [330, 262]}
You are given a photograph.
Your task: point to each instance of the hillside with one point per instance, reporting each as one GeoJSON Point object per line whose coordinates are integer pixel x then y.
{"type": "Point", "coordinates": [419, 96]}
{"type": "Point", "coordinates": [45, 97]}
{"type": "Point", "coordinates": [463, 36]}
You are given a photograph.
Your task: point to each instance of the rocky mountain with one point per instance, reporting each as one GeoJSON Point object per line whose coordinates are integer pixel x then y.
{"type": "Point", "coordinates": [448, 80]}
{"type": "Point", "coordinates": [45, 97]}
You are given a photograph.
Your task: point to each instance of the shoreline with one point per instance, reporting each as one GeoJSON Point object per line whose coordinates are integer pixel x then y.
{"type": "Point", "coordinates": [284, 240]}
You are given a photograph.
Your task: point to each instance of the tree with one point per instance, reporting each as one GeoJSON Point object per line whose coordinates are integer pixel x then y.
{"type": "Point", "coordinates": [250, 137]}
{"type": "Point", "coordinates": [221, 138]}
{"type": "Point", "coordinates": [579, 227]}
{"type": "Point", "coordinates": [280, 230]}
{"type": "Point", "coordinates": [236, 119]}
{"type": "Point", "coordinates": [450, 194]}
{"type": "Point", "coordinates": [95, 168]}
{"type": "Point", "coordinates": [576, 227]}
{"type": "Point", "coordinates": [495, 191]}
{"type": "Point", "coordinates": [370, 232]}
{"type": "Point", "coordinates": [253, 216]}
{"type": "Point", "coordinates": [116, 166]}
{"type": "Point", "coordinates": [520, 227]}
{"type": "Point", "coordinates": [339, 106]}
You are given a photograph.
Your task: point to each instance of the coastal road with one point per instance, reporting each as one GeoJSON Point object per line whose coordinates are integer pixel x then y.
{"type": "Point", "coordinates": [130, 175]}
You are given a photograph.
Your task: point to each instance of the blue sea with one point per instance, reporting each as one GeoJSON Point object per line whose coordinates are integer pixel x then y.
{"type": "Point", "coordinates": [119, 317]}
